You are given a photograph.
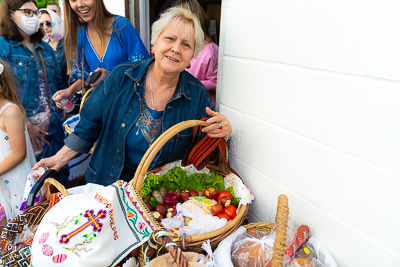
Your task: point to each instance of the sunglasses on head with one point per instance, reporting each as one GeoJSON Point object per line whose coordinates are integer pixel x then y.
{"type": "Point", "coordinates": [47, 23]}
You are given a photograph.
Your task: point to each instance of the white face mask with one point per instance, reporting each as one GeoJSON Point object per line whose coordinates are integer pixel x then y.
{"type": "Point", "coordinates": [29, 25]}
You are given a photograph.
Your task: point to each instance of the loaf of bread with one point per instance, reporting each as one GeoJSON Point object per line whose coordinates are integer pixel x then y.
{"type": "Point", "coordinates": [252, 250]}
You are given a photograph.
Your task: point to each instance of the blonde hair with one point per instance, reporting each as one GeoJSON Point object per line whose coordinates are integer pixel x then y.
{"type": "Point", "coordinates": [176, 14]}
{"type": "Point", "coordinates": [198, 10]}
{"type": "Point", "coordinates": [8, 89]}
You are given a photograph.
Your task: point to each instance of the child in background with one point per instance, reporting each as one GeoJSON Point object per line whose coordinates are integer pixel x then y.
{"type": "Point", "coordinates": [16, 153]}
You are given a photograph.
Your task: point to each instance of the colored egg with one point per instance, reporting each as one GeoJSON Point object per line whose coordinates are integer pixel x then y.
{"type": "Point", "coordinates": [43, 238]}
{"type": "Point", "coordinates": [47, 250]}
{"type": "Point", "coordinates": [59, 258]}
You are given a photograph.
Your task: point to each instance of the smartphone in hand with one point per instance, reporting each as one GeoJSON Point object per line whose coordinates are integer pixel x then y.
{"type": "Point", "coordinates": [93, 77]}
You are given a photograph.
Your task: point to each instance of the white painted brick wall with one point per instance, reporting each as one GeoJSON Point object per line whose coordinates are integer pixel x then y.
{"type": "Point", "coordinates": [312, 89]}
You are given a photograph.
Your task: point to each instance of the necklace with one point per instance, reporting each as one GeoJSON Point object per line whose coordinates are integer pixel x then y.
{"type": "Point", "coordinates": [151, 92]}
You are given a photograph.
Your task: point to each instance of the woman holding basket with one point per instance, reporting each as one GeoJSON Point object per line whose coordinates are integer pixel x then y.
{"type": "Point", "coordinates": [140, 101]}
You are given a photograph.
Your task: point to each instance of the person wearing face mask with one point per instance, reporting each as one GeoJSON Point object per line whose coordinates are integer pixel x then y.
{"type": "Point", "coordinates": [35, 67]}
{"type": "Point", "coordinates": [98, 40]}
{"type": "Point", "coordinates": [53, 29]}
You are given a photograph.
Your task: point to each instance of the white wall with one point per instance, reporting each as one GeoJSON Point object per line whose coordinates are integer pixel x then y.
{"type": "Point", "coordinates": [116, 7]}
{"type": "Point", "coordinates": [312, 89]}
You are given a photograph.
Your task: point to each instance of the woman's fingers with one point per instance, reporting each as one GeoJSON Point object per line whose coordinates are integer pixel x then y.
{"type": "Point", "coordinates": [51, 163]}
{"type": "Point", "coordinates": [35, 145]}
{"type": "Point", "coordinates": [220, 126]}
{"type": "Point", "coordinates": [38, 164]}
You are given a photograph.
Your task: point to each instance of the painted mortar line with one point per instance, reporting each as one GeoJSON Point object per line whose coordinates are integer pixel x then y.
{"type": "Point", "coordinates": [353, 157]}
{"type": "Point", "coordinates": [310, 69]}
{"type": "Point", "coordinates": [329, 215]}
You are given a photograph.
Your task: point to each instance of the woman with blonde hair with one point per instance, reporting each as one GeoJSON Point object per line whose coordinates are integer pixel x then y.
{"type": "Point", "coordinates": [205, 66]}
{"type": "Point", "coordinates": [137, 102]}
{"type": "Point", "coordinates": [96, 40]}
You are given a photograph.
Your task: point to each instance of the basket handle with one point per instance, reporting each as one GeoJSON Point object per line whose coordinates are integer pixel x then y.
{"type": "Point", "coordinates": [84, 99]}
{"type": "Point", "coordinates": [281, 223]}
{"type": "Point", "coordinates": [57, 184]}
{"type": "Point", "coordinates": [175, 251]}
{"type": "Point", "coordinates": [36, 187]}
{"type": "Point", "coordinates": [156, 146]}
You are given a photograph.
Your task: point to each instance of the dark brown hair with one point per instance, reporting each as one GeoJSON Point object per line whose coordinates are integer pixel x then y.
{"type": "Point", "coordinates": [8, 28]}
{"type": "Point", "coordinates": [199, 12]}
{"type": "Point", "coordinates": [72, 22]}
{"type": "Point", "coordinates": [8, 88]}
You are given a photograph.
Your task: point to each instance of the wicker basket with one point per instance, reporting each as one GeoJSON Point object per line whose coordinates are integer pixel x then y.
{"type": "Point", "coordinates": [190, 243]}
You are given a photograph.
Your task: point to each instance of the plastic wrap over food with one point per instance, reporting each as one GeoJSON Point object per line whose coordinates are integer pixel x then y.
{"type": "Point", "coordinates": [304, 262]}
{"type": "Point", "coordinates": [208, 260]}
{"type": "Point", "coordinates": [253, 249]}
{"type": "Point", "coordinates": [202, 224]}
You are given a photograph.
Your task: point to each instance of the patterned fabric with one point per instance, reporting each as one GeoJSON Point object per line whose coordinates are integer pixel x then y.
{"type": "Point", "coordinates": [19, 255]}
{"type": "Point", "coordinates": [14, 255]}
{"type": "Point", "coordinates": [149, 123]}
{"type": "Point", "coordinates": [96, 228]}
{"type": "Point", "coordinates": [143, 133]}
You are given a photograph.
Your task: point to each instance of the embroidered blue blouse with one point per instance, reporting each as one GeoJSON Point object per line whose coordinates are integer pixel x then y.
{"type": "Point", "coordinates": [123, 46]}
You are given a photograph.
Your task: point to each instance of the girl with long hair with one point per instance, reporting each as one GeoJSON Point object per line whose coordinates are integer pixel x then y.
{"type": "Point", "coordinates": [96, 40]}
{"type": "Point", "coordinates": [16, 153]}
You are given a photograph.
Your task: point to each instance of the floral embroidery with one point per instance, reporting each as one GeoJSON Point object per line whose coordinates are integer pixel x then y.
{"type": "Point", "coordinates": [64, 224]}
{"type": "Point", "coordinates": [150, 127]}
{"type": "Point", "coordinates": [80, 246]}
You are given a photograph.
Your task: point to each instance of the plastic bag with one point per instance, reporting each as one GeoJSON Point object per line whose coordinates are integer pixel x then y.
{"type": "Point", "coordinates": [304, 262]}
{"type": "Point", "coordinates": [208, 260]}
{"type": "Point", "coordinates": [202, 224]}
{"type": "Point", "coordinates": [322, 253]}
{"type": "Point", "coordinates": [253, 249]}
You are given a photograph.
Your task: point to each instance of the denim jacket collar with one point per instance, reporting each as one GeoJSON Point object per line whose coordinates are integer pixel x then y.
{"type": "Point", "coordinates": [18, 43]}
{"type": "Point", "coordinates": [138, 73]}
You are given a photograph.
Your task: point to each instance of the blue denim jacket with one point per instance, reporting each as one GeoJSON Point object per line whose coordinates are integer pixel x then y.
{"type": "Point", "coordinates": [60, 53]}
{"type": "Point", "coordinates": [22, 64]}
{"type": "Point", "coordinates": [113, 108]}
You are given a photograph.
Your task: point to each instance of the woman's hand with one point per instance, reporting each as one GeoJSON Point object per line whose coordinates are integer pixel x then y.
{"type": "Point", "coordinates": [36, 136]}
{"type": "Point", "coordinates": [56, 162]}
{"type": "Point", "coordinates": [220, 126]}
{"type": "Point", "coordinates": [66, 93]}
{"type": "Point", "coordinates": [104, 72]}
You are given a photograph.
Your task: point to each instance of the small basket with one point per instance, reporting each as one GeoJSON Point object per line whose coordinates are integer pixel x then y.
{"type": "Point", "coordinates": [190, 243]}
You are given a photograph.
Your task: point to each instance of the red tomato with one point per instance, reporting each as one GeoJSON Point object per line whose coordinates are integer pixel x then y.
{"type": "Point", "coordinates": [230, 211]}
{"type": "Point", "coordinates": [222, 215]}
{"type": "Point", "coordinates": [224, 193]}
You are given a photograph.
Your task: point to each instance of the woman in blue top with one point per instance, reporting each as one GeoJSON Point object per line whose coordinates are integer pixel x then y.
{"type": "Point", "coordinates": [107, 40]}
{"type": "Point", "coordinates": [133, 105]}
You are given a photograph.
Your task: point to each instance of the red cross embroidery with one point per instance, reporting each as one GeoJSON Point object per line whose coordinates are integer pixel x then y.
{"type": "Point", "coordinates": [93, 221]}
